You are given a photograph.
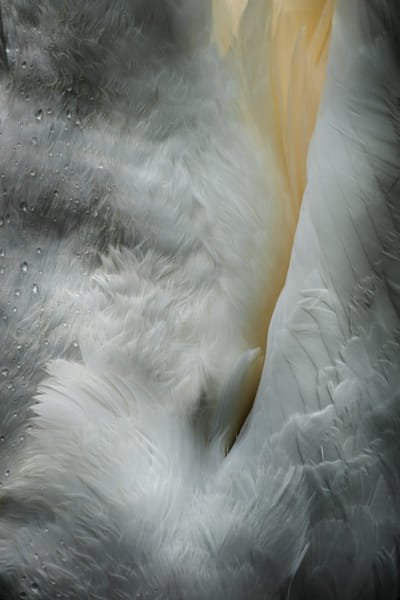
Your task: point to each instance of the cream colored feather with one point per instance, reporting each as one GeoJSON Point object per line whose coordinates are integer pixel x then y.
{"type": "Point", "coordinates": [280, 48]}
{"type": "Point", "coordinates": [150, 188]}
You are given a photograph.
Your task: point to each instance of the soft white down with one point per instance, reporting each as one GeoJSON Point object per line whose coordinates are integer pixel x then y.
{"type": "Point", "coordinates": [140, 221]}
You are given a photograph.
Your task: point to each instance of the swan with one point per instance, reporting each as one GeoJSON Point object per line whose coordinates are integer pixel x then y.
{"type": "Point", "coordinates": [199, 309]}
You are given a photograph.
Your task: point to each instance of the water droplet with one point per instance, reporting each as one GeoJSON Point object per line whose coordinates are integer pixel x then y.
{"type": "Point", "coordinates": [2, 252]}
{"type": "Point", "coordinates": [39, 115]}
{"type": "Point", "coordinates": [32, 172]}
{"type": "Point", "coordinates": [7, 472]}
{"type": "Point", "coordinates": [34, 141]}
{"type": "Point", "coordinates": [69, 115]}
{"type": "Point", "coordinates": [18, 293]}
{"type": "Point", "coordinates": [75, 344]}
{"type": "Point", "coordinates": [1, 271]}
{"type": "Point", "coordinates": [49, 111]}
{"type": "Point", "coordinates": [1, 221]}
{"type": "Point", "coordinates": [69, 88]}
{"type": "Point", "coordinates": [35, 288]}
{"type": "Point", "coordinates": [24, 207]}
{"type": "Point", "coordinates": [2, 439]}
{"type": "Point", "coordinates": [35, 588]}
{"type": "Point", "coordinates": [23, 66]}
{"type": "Point", "coordinates": [4, 371]}
{"type": "Point", "coordinates": [24, 267]}
{"type": "Point", "coordinates": [38, 250]}
{"type": "Point", "coordinates": [14, 309]}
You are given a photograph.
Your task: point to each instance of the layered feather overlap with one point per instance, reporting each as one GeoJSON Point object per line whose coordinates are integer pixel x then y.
{"type": "Point", "coordinates": [148, 201]}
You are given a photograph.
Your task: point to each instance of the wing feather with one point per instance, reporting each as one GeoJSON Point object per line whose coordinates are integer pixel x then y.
{"type": "Point", "coordinates": [119, 497]}
{"type": "Point", "coordinates": [329, 394]}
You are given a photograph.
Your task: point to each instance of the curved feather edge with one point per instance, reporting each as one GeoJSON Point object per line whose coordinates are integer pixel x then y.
{"type": "Point", "coordinates": [281, 48]}
{"type": "Point", "coordinates": [306, 503]}
{"type": "Point", "coordinates": [329, 394]}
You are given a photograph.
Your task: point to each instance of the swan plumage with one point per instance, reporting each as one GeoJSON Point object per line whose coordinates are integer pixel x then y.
{"type": "Point", "coordinates": [148, 208]}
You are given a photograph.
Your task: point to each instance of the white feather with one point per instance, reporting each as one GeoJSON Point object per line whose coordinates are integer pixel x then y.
{"type": "Point", "coordinates": [139, 235]}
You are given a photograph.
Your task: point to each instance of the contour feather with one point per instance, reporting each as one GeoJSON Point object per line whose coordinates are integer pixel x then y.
{"type": "Point", "coordinates": [147, 309]}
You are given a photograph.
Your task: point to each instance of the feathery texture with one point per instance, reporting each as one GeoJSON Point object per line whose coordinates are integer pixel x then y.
{"type": "Point", "coordinates": [280, 49]}
{"type": "Point", "coordinates": [141, 233]}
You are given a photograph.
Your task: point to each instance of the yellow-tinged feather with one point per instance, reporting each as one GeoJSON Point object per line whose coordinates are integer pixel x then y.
{"type": "Point", "coordinates": [226, 19]}
{"type": "Point", "coordinates": [281, 50]}
{"type": "Point", "coordinates": [300, 34]}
